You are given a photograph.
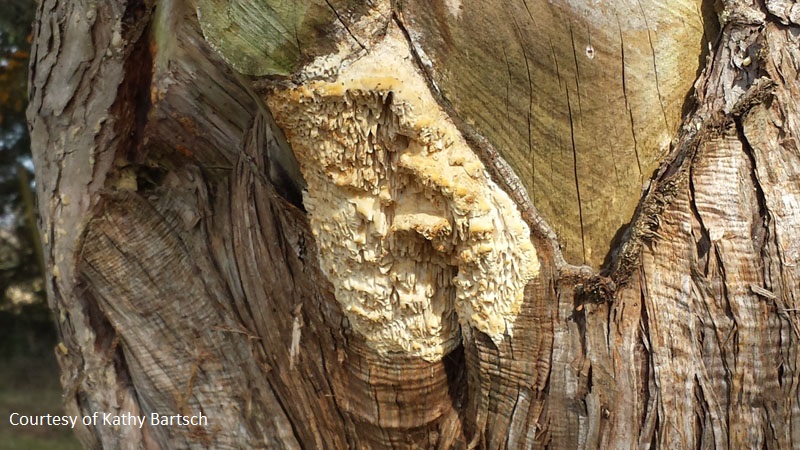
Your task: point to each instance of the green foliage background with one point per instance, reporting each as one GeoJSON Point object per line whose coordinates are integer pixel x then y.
{"type": "Point", "coordinates": [20, 266]}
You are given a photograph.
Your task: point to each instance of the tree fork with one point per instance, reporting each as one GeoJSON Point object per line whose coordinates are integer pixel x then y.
{"type": "Point", "coordinates": [185, 278]}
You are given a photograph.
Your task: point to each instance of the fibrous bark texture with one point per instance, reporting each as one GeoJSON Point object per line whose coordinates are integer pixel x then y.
{"type": "Point", "coordinates": [352, 225]}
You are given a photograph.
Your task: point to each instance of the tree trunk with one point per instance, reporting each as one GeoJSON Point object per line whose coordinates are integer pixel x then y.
{"type": "Point", "coordinates": [423, 224]}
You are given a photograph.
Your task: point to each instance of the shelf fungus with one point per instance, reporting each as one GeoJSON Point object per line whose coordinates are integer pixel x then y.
{"type": "Point", "coordinates": [411, 230]}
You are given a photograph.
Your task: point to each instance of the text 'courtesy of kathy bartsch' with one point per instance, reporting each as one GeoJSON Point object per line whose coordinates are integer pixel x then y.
{"type": "Point", "coordinates": [108, 419]}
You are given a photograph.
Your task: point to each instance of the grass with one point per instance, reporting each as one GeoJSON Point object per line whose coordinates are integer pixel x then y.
{"type": "Point", "coordinates": [29, 385]}
{"type": "Point", "coordinates": [25, 442]}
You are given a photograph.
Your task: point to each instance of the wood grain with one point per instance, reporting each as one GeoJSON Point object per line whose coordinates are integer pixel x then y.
{"type": "Point", "coordinates": [581, 99]}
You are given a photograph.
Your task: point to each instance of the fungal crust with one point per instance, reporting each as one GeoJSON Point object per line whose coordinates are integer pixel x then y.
{"type": "Point", "coordinates": [411, 231]}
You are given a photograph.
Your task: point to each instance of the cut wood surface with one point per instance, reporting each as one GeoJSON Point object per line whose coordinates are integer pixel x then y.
{"type": "Point", "coordinates": [449, 224]}
{"type": "Point", "coordinates": [582, 98]}
{"type": "Point", "coordinates": [277, 37]}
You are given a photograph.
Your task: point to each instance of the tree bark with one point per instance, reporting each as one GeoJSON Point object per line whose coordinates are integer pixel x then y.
{"type": "Point", "coordinates": [423, 224]}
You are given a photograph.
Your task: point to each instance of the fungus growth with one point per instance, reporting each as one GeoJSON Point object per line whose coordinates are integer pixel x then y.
{"type": "Point", "coordinates": [411, 230]}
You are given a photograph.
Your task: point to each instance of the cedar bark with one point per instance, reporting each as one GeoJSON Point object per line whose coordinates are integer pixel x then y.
{"type": "Point", "coordinates": [185, 275]}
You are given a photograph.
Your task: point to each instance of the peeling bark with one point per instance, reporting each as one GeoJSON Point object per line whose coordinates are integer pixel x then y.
{"type": "Point", "coordinates": [216, 242]}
